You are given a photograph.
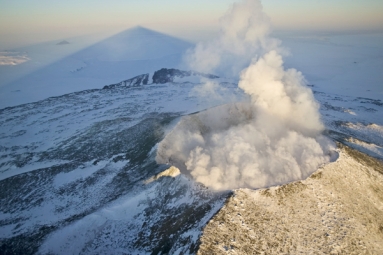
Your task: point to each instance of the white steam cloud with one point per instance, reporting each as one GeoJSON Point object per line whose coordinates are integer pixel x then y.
{"type": "Point", "coordinates": [245, 33]}
{"type": "Point", "coordinates": [273, 139]}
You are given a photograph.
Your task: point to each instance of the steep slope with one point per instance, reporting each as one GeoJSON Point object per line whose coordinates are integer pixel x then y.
{"type": "Point", "coordinates": [80, 168]}
{"type": "Point", "coordinates": [338, 210]}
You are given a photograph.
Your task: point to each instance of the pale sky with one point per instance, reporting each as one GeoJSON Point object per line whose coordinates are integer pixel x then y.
{"type": "Point", "coordinates": [40, 20]}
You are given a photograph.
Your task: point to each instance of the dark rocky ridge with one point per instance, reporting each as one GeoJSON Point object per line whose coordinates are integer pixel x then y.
{"type": "Point", "coordinates": [63, 42]}
{"type": "Point", "coordinates": [167, 75]}
{"type": "Point", "coordinates": [161, 76]}
{"type": "Point", "coordinates": [133, 82]}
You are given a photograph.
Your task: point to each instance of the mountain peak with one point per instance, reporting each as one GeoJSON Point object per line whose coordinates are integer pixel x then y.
{"type": "Point", "coordinates": [63, 42]}
{"type": "Point", "coordinates": [141, 31]}
{"type": "Point", "coordinates": [162, 76]}
{"type": "Point", "coordinates": [137, 43]}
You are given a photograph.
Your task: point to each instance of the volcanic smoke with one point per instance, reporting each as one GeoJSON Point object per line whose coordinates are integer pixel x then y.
{"type": "Point", "coordinates": [273, 138]}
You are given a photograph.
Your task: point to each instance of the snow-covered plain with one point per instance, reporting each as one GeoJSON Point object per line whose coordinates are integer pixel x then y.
{"type": "Point", "coordinates": [344, 72]}
{"type": "Point", "coordinates": [78, 66]}
{"type": "Point", "coordinates": [347, 64]}
{"type": "Point", "coordinates": [75, 167]}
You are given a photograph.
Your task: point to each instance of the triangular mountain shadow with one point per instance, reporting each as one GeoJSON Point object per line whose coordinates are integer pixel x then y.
{"type": "Point", "coordinates": [142, 44]}
{"type": "Point", "coordinates": [63, 42]}
{"type": "Point", "coordinates": [124, 55]}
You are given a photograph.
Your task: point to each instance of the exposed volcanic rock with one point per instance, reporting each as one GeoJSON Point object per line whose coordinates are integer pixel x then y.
{"type": "Point", "coordinates": [64, 42]}
{"type": "Point", "coordinates": [133, 82]}
{"type": "Point", "coordinates": [339, 209]}
{"type": "Point", "coordinates": [161, 76]}
{"type": "Point", "coordinates": [78, 175]}
{"type": "Point", "coordinates": [167, 75]}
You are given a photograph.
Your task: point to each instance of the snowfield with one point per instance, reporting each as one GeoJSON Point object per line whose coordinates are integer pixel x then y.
{"type": "Point", "coordinates": [80, 168]}
{"type": "Point", "coordinates": [79, 140]}
{"type": "Point", "coordinates": [85, 161]}
{"type": "Point", "coordinates": [55, 70]}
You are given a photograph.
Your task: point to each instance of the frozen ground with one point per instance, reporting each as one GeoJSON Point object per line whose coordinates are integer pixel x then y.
{"type": "Point", "coordinates": [338, 210]}
{"type": "Point", "coordinates": [84, 160]}
{"type": "Point", "coordinates": [73, 166]}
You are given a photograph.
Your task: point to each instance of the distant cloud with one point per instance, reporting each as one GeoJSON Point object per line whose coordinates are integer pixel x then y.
{"type": "Point", "coordinates": [12, 58]}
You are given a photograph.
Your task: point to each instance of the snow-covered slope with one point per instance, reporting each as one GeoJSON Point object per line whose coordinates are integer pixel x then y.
{"type": "Point", "coordinates": [338, 210]}
{"type": "Point", "coordinates": [355, 121]}
{"type": "Point", "coordinates": [85, 162]}
{"type": "Point", "coordinates": [132, 52]}
{"type": "Point", "coordinates": [79, 175]}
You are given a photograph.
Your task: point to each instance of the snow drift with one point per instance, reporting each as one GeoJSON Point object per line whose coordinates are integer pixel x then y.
{"type": "Point", "coordinates": [273, 138]}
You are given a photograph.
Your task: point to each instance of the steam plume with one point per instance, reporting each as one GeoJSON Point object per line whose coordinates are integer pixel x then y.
{"type": "Point", "coordinates": [245, 31]}
{"type": "Point", "coordinates": [272, 139]}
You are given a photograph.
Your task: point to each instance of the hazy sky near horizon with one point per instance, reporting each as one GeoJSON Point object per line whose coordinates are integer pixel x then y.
{"type": "Point", "coordinates": [41, 20]}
